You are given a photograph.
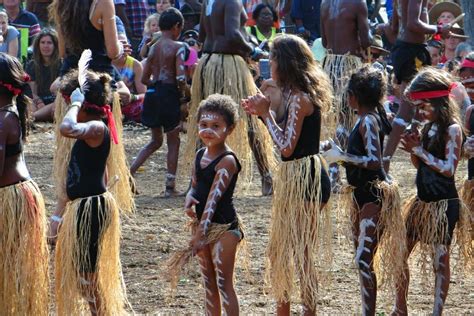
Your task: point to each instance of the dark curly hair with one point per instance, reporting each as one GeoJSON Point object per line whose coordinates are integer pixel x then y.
{"type": "Point", "coordinates": [445, 108]}
{"type": "Point", "coordinates": [258, 9]}
{"type": "Point", "coordinates": [369, 86]}
{"type": "Point", "coordinates": [12, 73]}
{"type": "Point", "coordinates": [222, 105]}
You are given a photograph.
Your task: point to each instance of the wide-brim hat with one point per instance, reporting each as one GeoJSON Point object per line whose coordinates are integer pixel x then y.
{"type": "Point", "coordinates": [445, 6]}
{"type": "Point", "coordinates": [377, 43]}
{"type": "Point", "coordinates": [191, 10]}
{"type": "Point", "coordinates": [458, 31]}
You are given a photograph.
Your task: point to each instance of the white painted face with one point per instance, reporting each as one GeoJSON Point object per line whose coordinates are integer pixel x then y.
{"type": "Point", "coordinates": [213, 128]}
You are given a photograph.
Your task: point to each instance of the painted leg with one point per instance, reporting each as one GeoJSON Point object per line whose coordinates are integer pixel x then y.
{"type": "Point", "coordinates": [213, 303]}
{"type": "Point", "coordinates": [154, 144]}
{"type": "Point", "coordinates": [400, 308]}
{"type": "Point", "coordinates": [223, 257]}
{"type": "Point", "coordinates": [442, 273]}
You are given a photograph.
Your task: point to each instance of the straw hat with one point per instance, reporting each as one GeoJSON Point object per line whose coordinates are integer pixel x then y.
{"type": "Point", "coordinates": [377, 44]}
{"type": "Point", "coordinates": [458, 32]}
{"type": "Point", "coordinates": [441, 7]}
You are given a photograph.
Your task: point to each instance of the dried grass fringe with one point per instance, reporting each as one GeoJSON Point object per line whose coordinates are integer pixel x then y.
{"type": "Point", "coordinates": [117, 165]}
{"type": "Point", "coordinates": [467, 196]}
{"type": "Point", "coordinates": [62, 154]}
{"type": "Point", "coordinates": [176, 264]}
{"type": "Point", "coordinates": [228, 75]}
{"type": "Point", "coordinates": [72, 253]}
{"type": "Point", "coordinates": [430, 222]}
{"type": "Point", "coordinates": [298, 227]}
{"type": "Point", "coordinates": [339, 69]}
{"type": "Point", "coordinates": [23, 250]}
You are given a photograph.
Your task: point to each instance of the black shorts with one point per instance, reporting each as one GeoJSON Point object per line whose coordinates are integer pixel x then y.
{"type": "Point", "coordinates": [408, 59]}
{"type": "Point", "coordinates": [325, 183]}
{"type": "Point", "coordinates": [98, 220]}
{"type": "Point", "coordinates": [161, 107]}
{"type": "Point", "coordinates": [368, 193]}
{"type": "Point", "coordinates": [452, 214]}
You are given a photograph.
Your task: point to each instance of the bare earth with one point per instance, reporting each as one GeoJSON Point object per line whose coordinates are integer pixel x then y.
{"type": "Point", "coordinates": [156, 230]}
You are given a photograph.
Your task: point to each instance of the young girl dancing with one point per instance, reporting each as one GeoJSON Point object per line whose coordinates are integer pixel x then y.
{"type": "Point", "coordinates": [431, 216]}
{"type": "Point", "coordinates": [377, 225]}
{"type": "Point", "coordinates": [300, 229]}
{"type": "Point", "coordinates": [23, 248]}
{"type": "Point", "coordinates": [88, 251]}
{"type": "Point", "coordinates": [217, 232]}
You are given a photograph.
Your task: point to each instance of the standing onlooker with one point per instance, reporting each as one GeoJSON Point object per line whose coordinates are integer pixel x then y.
{"type": "Point", "coordinates": [191, 12]}
{"type": "Point", "coordinates": [22, 19]}
{"type": "Point", "coordinates": [307, 16]}
{"type": "Point", "coordinates": [133, 14]}
{"type": "Point", "coordinates": [162, 5]}
{"type": "Point", "coordinates": [9, 38]}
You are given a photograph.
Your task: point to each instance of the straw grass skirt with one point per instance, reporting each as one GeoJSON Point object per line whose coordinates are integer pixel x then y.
{"type": "Point", "coordinates": [339, 69]}
{"type": "Point", "coordinates": [467, 196]}
{"type": "Point", "coordinates": [228, 75]}
{"type": "Point", "coordinates": [23, 251]}
{"type": "Point", "coordinates": [429, 222]}
{"type": "Point", "coordinates": [391, 233]}
{"type": "Point", "coordinates": [73, 262]}
{"type": "Point", "coordinates": [117, 167]}
{"type": "Point", "coordinates": [300, 235]}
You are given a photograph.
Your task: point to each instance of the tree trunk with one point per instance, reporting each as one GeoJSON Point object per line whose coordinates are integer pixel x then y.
{"type": "Point", "coordinates": [468, 8]}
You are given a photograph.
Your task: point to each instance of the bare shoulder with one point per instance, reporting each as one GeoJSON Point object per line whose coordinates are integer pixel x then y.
{"type": "Point", "coordinates": [228, 163]}
{"type": "Point", "coordinates": [302, 102]}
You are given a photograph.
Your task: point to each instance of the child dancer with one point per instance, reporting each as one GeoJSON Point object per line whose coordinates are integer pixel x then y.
{"type": "Point", "coordinates": [300, 229]}
{"type": "Point", "coordinates": [432, 214]}
{"type": "Point", "coordinates": [162, 107]}
{"type": "Point", "coordinates": [377, 225]}
{"type": "Point", "coordinates": [87, 255]}
{"type": "Point", "coordinates": [23, 248]}
{"type": "Point", "coordinates": [217, 230]}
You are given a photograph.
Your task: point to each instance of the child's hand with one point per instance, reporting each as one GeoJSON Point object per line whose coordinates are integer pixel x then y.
{"type": "Point", "coordinates": [189, 202]}
{"type": "Point", "coordinates": [190, 213]}
{"type": "Point", "coordinates": [410, 141]}
{"type": "Point", "coordinates": [333, 153]}
{"type": "Point", "coordinates": [198, 242]}
{"type": "Point", "coordinates": [256, 105]}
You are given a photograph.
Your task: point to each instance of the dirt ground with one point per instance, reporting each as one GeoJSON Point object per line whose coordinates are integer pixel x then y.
{"type": "Point", "coordinates": [156, 230]}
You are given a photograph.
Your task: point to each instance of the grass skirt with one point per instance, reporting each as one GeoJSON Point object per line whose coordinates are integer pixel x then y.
{"type": "Point", "coordinates": [300, 233]}
{"type": "Point", "coordinates": [117, 165]}
{"type": "Point", "coordinates": [176, 263]}
{"type": "Point", "coordinates": [23, 251]}
{"type": "Point", "coordinates": [467, 196]}
{"type": "Point", "coordinates": [339, 69]}
{"type": "Point", "coordinates": [71, 254]}
{"type": "Point", "coordinates": [228, 75]}
{"type": "Point", "coordinates": [391, 233]}
{"type": "Point", "coordinates": [62, 154]}
{"type": "Point", "coordinates": [430, 220]}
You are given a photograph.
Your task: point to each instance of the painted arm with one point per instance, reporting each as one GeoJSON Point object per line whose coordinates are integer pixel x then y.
{"type": "Point", "coordinates": [453, 153]}
{"type": "Point", "coordinates": [72, 129]}
{"type": "Point", "coordinates": [180, 59]}
{"type": "Point", "coordinates": [287, 139]}
{"type": "Point", "coordinates": [363, 24]}
{"type": "Point", "coordinates": [225, 170]}
{"type": "Point", "coordinates": [369, 130]}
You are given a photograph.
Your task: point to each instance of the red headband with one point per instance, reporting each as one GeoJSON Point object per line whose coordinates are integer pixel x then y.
{"type": "Point", "coordinates": [66, 97]}
{"type": "Point", "coordinates": [104, 110]}
{"type": "Point", "coordinates": [467, 63]}
{"type": "Point", "coordinates": [421, 95]}
{"type": "Point", "coordinates": [11, 88]}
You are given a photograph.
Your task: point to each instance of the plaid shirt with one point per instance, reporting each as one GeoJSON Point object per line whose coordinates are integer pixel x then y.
{"type": "Point", "coordinates": [28, 20]}
{"type": "Point", "coordinates": [137, 11]}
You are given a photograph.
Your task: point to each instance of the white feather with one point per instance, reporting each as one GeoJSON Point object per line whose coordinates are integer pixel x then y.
{"type": "Point", "coordinates": [83, 64]}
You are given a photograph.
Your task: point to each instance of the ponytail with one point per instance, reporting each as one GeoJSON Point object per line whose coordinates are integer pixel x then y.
{"type": "Point", "coordinates": [22, 104]}
{"type": "Point", "coordinates": [386, 126]}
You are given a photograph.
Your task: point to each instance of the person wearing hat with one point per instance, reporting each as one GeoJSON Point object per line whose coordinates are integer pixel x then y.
{"type": "Point", "coordinates": [376, 49]}
{"type": "Point", "coordinates": [191, 11]}
{"type": "Point", "coordinates": [444, 12]}
{"type": "Point", "coordinates": [452, 42]}
{"type": "Point", "coordinates": [409, 55]}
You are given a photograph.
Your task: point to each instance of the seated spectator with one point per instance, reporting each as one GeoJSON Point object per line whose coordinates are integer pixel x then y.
{"type": "Point", "coordinates": [9, 38]}
{"type": "Point", "coordinates": [191, 11]}
{"type": "Point", "coordinates": [22, 19]}
{"type": "Point", "coordinates": [131, 71]}
{"type": "Point", "coordinates": [43, 69]}
{"type": "Point", "coordinates": [462, 51]}
{"type": "Point", "coordinates": [162, 5]}
{"type": "Point", "coordinates": [264, 31]}
{"type": "Point", "coordinates": [434, 48]}
{"type": "Point", "coordinates": [452, 42]}
{"type": "Point", "coordinates": [151, 26]}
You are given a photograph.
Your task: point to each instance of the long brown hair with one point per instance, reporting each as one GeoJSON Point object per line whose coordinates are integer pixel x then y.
{"type": "Point", "coordinates": [72, 18]}
{"type": "Point", "coordinates": [55, 62]}
{"type": "Point", "coordinates": [297, 68]}
{"type": "Point", "coordinates": [445, 108]}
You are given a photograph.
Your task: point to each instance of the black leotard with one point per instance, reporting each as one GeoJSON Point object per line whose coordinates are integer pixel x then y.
{"type": "Point", "coordinates": [225, 212]}
{"type": "Point", "coordinates": [362, 178]}
{"type": "Point", "coordinates": [86, 171]}
{"type": "Point", "coordinates": [470, 162]}
{"type": "Point", "coordinates": [308, 145]}
{"type": "Point", "coordinates": [17, 148]}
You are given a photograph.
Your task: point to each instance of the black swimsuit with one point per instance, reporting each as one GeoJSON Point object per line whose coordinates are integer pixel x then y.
{"type": "Point", "coordinates": [13, 149]}
{"type": "Point", "coordinates": [363, 179]}
{"type": "Point", "coordinates": [225, 212]}
{"type": "Point", "coordinates": [308, 145]}
{"type": "Point", "coordinates": [86, 178]}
